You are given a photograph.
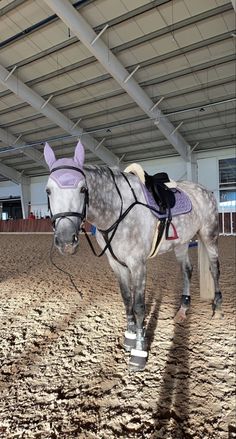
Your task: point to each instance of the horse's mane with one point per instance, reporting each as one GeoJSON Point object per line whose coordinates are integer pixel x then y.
{"type": "Point", "coordinates": [103, 170]}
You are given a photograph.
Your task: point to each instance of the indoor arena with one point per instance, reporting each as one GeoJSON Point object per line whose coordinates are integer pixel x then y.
{"type": "Point", "coordinates": [117, 219]}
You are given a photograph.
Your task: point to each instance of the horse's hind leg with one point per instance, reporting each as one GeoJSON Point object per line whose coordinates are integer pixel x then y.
{"type": "Point", "coordinates": [210, 242]}
{"type": "Point", "coordinates": [182, 256]}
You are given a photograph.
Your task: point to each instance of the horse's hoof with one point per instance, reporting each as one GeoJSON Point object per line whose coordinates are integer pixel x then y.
{"type": "Point", "coordinates": [138, 360]}
{"type": "Point", "coordinates": [217, 313]}
{"type": "Point", "coordinates": [180, 315]}
{"type": "Point", "coordinates": [217, 306]}
{"type": "Point", "coordinates": [129, 341]}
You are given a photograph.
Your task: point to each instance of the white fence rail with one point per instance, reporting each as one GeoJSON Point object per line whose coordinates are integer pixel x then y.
{"type": "Point", "coordinates": [227, 222]}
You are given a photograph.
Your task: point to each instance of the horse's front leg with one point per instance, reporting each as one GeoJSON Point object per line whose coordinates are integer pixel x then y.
{"type": "Point", "coordinates": [139, 354]}
{"type": "Point", "coordinates": [126, 293]}
{"type": "Point", "coordinates": [123, 276]}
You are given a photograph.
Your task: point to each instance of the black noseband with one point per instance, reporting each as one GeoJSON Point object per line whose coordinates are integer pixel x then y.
{"type": "Point", "coordinates": [66, 215]}
{"type": "Point", "coordinates": [61, 215]}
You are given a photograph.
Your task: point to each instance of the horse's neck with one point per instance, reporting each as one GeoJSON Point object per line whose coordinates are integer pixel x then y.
{"type": "Point", "coordinates": [104, 200]}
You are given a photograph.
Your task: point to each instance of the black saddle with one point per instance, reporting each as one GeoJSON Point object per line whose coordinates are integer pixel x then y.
{"type": "Point", "coordinates": [164, 196]}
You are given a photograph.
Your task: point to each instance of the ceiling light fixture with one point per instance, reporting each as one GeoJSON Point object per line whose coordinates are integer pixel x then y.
{"type": "Point", "coordinates": [131, 74]}
{"type": "Point", "coordinates": [157, 103]}
{"type": "Point", "coordinates": [176, 129]}
{"type": "Point", "coordinates": [46, 102]}
{"type": "Point", "coordinates": [18, 138]}
{"type": "Point", "coordinates": [99, 144]}
{"type": "Point", "coordinates": [10, 73]}
{"type": "Point", "coordinates": [76, 123]}
{"type": "Point", "coordinates": [100, 33]}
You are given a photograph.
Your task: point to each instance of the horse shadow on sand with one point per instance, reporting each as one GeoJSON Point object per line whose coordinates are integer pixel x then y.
{"type": "Point", "coordinates": [172, 411]}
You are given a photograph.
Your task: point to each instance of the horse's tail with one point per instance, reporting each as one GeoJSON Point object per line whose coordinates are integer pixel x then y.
{"type": "Point", "coordinates": [207, 290]}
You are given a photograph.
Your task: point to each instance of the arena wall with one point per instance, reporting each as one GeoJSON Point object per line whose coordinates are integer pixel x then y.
{"type": "Point", "coordinates": [207, 169]}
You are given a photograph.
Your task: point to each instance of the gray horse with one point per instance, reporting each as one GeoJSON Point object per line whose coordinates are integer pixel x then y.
{"type": "Point", "coordinates": [116, 204]}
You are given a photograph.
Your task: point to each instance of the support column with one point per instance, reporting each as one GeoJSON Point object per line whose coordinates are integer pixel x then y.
{"type": "Point", "coordinates": [25, 195]}
{"type": "Point", "coordinates": [191, 168]}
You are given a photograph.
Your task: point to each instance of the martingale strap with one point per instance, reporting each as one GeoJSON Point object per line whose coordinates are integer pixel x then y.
{"type": "Point", "coordinates": [105, 233]}
{"type": "Point", "coordinates": [113, 228]}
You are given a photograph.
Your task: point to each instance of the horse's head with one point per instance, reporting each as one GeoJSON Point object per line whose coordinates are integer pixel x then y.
{"type": "Point", "coordinates": [68, 197]}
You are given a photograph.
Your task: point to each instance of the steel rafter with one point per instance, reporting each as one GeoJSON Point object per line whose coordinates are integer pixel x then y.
{"type": "Point", "coordinates": [10, 173]}
{"type": "Point", "coordinates": [36, 101]}
{"type": "Point", "coordinates": [30, 152]}
{"type": "Point", "coordinates": [131, 14]}
{"type": "Point", "coordinates": [86, 34]}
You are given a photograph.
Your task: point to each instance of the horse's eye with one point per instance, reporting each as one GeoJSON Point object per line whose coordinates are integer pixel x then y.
{"type": "Point", "coordinates": [83, 189]}
{"type": "Point", "coordinates": [48, 191]}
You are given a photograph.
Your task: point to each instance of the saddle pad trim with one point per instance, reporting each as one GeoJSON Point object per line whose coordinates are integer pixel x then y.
{"type": "Point", "coordinates": [183, 203]}
{"type": "Point", "coordinates": [182, 206]}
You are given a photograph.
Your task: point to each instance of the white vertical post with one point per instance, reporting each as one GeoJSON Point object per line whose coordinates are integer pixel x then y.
{"type": "Point", "coordinates": [191, 168]}
{"type": "Point", "coordinates": [25, 195]}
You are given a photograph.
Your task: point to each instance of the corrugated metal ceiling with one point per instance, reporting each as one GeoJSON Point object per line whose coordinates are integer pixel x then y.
{"type": "Point", "coordinates": [186, 53]}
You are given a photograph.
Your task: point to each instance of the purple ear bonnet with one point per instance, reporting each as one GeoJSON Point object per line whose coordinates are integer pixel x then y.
{"type": "Point", "coordinates": [65, 178]}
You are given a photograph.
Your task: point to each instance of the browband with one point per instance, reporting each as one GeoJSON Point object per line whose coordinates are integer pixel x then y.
{"type": "Point", "coordinates": [68, 167]}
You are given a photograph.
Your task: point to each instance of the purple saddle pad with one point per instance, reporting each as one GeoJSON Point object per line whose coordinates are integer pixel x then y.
{"type": "Point", "coordinates": [182, 203]}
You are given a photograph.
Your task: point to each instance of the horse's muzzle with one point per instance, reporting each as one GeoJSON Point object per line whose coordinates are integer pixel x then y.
{"type": "Point", "coordinates": [66, 247]}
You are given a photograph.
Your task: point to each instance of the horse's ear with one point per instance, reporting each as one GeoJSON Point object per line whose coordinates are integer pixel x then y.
{"type": "Point", "coordinates": [49, 155]}
{"type": "Point", "coordinates": [79, 154]}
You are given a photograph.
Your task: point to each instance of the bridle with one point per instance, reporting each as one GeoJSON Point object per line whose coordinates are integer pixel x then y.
{"type": "Point", "coordinates": [60, 215]}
